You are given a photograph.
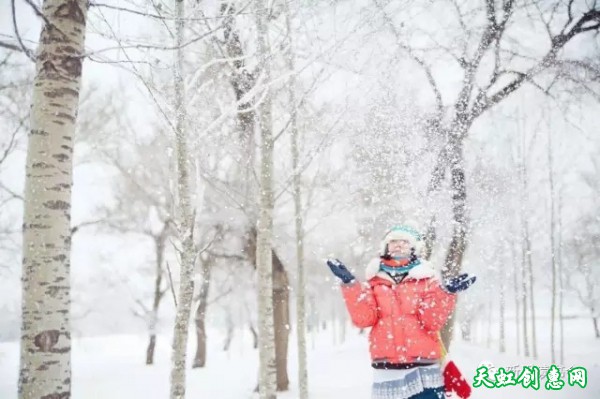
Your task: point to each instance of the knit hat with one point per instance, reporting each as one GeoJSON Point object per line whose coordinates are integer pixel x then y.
{"type": "Point", "coordinates": [402, 232]}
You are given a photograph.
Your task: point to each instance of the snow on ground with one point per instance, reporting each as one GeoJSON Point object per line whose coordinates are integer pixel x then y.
{"type": "Point", "coordinates": [112, 367]}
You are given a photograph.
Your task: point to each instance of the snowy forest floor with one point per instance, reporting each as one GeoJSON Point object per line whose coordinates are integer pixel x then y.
{"type": "Point", "coordinates": [112, 367]}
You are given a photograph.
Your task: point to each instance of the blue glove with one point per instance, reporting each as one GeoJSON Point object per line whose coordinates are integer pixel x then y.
{"type": "Point", "coordinates": [459, 283]}
{"type": "Point", "coordinates": [340, 270]}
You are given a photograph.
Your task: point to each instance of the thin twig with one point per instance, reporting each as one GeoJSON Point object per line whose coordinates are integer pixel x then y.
{"type": "Point", "coordinates": [27, 52]}
{"type": "Point", "coordinates": [171, 284]}
{"type": "Point", "coordinates": [40, 14]}
{"type": "Point", "coordinates": [156, 16]}
{"type": "Point", "coordinates": [11, 46]}
{"type": "Point", "coordinates": [153, 47]}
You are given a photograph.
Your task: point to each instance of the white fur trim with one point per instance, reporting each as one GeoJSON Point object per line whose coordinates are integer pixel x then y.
{"type": "Point", "coordinates": [422, 271]}
{"type": "Point", "coordinates": [372, 268]}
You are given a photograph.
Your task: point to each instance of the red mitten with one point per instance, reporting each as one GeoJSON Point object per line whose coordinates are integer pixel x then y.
{"type": "Point", "coordinates": [455, 382]}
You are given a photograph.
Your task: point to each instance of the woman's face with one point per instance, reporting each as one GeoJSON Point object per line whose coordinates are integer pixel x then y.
{"type": "Point", "coordinates": [399, 248]}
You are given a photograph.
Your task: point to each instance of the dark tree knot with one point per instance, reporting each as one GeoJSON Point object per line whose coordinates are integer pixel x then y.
{"type": "Point", "coordinates": [70, 10]}
{"type": "Point", "coordinates": [46, 340]}
{"type": "Point", "coordinates": [57, 205]}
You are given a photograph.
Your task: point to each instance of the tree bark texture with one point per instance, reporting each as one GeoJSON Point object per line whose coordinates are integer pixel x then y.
{"type": "Point", "coordinates": [299, 230]}
{"type": "Point", "coordinates": [458, 243]}
{"type": "Point", "coordinates": [200, 318]}
{"type": "Point", "coordinates": [159, 249]}
{"type": "Point", "coordinates": [264, 259]}
{"type": "Point", "coordinates": [281, 322]}
{"type": "Point", "coordinates": [281, 306]}
{"type": "Point", "coordinates": [553, 252]}
{"type": "Point", "coordinates": [185, 225]}
{"type": "Point", "coordinates": [45, 357]}
{"type": "Point", "coordinates": [526, 261]}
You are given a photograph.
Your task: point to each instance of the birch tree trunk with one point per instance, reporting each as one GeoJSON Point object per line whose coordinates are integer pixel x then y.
{"type": "Point", "coordinates": [159, 248]}
{"type": "Point", "coordinates": [242, 82]}
{"type": "Point", "coordinates": [488, 334]}
{"type": "Point", "coordinates": [200, 317]}
{"type": "Point", "coordinates": [531, 293]}
{"type": "Point", "coordinates": [266, 334]}
{"type": "Point", "coordinates": [502, 323]}
{"type": "Point", "coordinates": [297, 190]}
{"type": "Point", "coordinates": [525, 249]}
{"type": "Point", "coordinates": [230, 329]}
{"type": "Point", "coordinates": [517, 307]}
{"type": "Point", "coordinates": [45, 357]}
{"type": "Point", "coordinates": [525, 295]}
{"type": "Point", "coordinates": [186, 223]}
{"type": "Point", "coordinates": [458, 243]}
{"type": "Point", "coordinates": [552, 250]}
{"type": "Point", "coordinates": [281, 321]}
{"type": "Point", "coordinates": [560, 279]}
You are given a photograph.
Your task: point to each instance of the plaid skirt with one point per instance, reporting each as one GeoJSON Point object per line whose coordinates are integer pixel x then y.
{"type": "Point", "coordinates": [426, 381]}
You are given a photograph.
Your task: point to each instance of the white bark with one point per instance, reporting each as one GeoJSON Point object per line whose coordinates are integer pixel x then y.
{"type": "Point", "coordinates": [45, 362]}
{"type": "Point", "coordinates": [525, 246]}
{"type": "Point", "coordinates": [560, 279]}
{"type": "Point", "coordinates": [159, 250]}
{"type": "Point", "coordinates": [552, 250]}
{"type": "Point", "coordinates": [297, 190]}
{"type": "Point", "coordinates": [186, 223]}
{"type": "Point", "coordinates": [517, 304]}
{"type": "Point", "coordinates": [502, 323]}
{"type": "Point", "coordinates": [266, 333]}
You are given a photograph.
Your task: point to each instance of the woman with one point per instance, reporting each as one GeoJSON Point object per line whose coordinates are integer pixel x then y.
{"type": "Point", "coordinates": [406, 306]}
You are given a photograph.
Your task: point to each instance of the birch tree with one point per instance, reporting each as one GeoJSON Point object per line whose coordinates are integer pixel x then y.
{"type": "Point", "coordinates": [264, 228]}
{"type": "Point", "coordinates": [185, 222]}
{"type": "Point", "coordinates": [45, 361]}
{"type": "Point", "coordinates": [553, 249]}
{"type": "Point", "coordinates": [297, 192]}
{"type": "Point", "coordinates": [251, 102]}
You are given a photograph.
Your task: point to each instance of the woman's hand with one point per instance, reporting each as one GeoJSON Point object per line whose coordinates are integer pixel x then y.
{"type": "Point", "coordinates": [458, 283]}
{"type": "Point", "coordinates": [340, 270]}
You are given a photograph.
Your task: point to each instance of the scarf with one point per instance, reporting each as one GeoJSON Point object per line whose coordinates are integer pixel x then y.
{"type": "Point", "coordinates": [398, 267]}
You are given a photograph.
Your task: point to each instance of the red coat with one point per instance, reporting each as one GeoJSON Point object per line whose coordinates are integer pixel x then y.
{"type": "Point", "coordinates": [405, 318]}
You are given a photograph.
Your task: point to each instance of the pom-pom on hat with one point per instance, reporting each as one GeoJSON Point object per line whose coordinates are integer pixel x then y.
{"type": "Point", "coordinates": [402, 232]}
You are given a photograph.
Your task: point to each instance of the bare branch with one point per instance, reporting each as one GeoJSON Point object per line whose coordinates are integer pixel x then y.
{"type": "Point", "coordinates": [570, 12]}
{"type": "Point", "coordinates": [151, 46]}
{"type": "Point", "coordinates": [158, 15]}
{"type": "Point", "coordinates": [426, 69]}
{"type": "Point", "coordinates": [557, 43]}
{"type": "Point", "coordinates": [592, 15]}
{"type": "Point", "coordinates": [171, 284]}
{"type": "Point", "coordinates": [77, 227]}
{"type": "Point", "coordinates": [141, 305]}
{"type": "Point", "coordinates": [221, 295]}
{"type": "Point", "coordinates": [40, 14]}
{"type": "Point", "coordinates": [12, 140]}
{"type": "Point", "coordinates": [11, 46]}
{"type": "Point", "coordinates": [12, 194]}
{"type": "Point", "coordinates": [300, 102]}
{"type": "Point", "coordinates": [227, 256]}
{"type": "Point", "coordinates": [139, 76]}
{"type": "Point", "coordinates": [463, 25]}
{"type": "Point", "coordinates": [490, 12]}
{"type": "Point", "coordinates": [25, 50]}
